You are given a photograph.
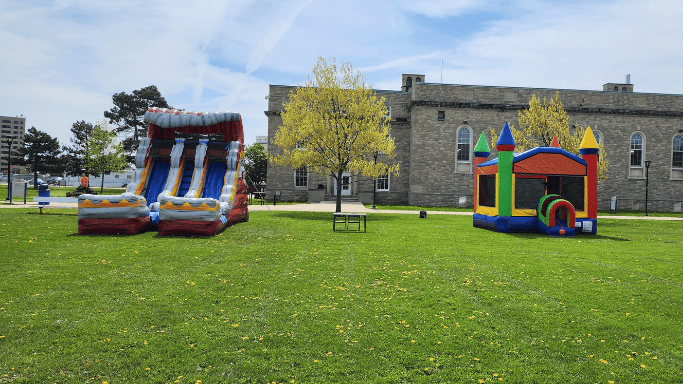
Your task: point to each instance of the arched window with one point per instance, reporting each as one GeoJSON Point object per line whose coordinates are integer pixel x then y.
{"type": "Point", "coordinates": [418, 79]}
{"type": "Point", "coordinates": [623, 89]}
{"type": "Point", "coordinates": [598, 136]}
{"type": "Point", "coordinates": [677, 158]}
{"type": "Point", "coordinates": [463, 151]}
{"type": "Point", "coordinates": [637, 155]}
{"type": "Point", "coordinates": [598, 139]}
{"type": "Point", "coordinates": [409, 82]}
{"type": "Point", "coordinates": [616, 89]}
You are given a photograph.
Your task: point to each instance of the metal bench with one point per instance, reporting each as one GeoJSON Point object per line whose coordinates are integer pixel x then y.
{"type": "Point", "coordinates": [349, 218]}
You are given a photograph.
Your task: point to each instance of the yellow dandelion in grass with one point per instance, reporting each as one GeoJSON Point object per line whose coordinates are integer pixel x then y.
{"type": "Point", "coordinates": [610, 381]}
{"type": "Point", "coordinates": [603, 361]}
{"type": "Point", "coordinates": [481, 381]}
{"type": "Point", "coordinates": [315, 361]}
{"type": "Point", "coordinates": [147, 369]}
{"type": "Point", "coordinates": [427, 369]}
{"type": "Point", "coordinates": [412, 341]}
{"type": "Point", "coordinates": [235, 325]}
{"type": "Point", "coordinates": [642, 365]}
{"type": "Point", "coordinates": [431, 359]}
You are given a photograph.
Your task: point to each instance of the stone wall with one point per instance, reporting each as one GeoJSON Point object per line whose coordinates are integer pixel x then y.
{"type": "Point", "coordinates": [281, 179]}
{"type": "Point", "coordinates": [615, 115]}
{"type": "Point", "coordinates": [426, 146]}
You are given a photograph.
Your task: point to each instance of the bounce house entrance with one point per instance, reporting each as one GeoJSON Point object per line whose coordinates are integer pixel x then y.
{"type": "Point", "coordinates": [556, 216]}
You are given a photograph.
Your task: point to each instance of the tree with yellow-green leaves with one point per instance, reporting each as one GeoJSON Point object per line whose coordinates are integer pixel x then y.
{"type": "Point", "coordinates": [541, 122]}
{"type": "Point", "coordinates": [335, 123]}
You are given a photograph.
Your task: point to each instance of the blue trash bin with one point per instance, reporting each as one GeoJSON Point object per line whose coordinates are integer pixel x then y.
{"type": "Point", "coordinates": [43, 191]}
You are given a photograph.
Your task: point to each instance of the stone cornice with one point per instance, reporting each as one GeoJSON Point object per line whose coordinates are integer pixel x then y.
{"type": "Point", "coordinates": [514, 107]}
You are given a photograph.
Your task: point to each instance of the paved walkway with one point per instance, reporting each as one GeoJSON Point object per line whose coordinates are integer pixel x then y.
{"type": "Point", "coordinates": [329, 206]}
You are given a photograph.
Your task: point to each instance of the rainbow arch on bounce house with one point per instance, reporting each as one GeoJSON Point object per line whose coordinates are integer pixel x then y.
{"type": "Point", "coordinates": [187, 181]}
{"type": "Point", "coordinates": [545, 189]}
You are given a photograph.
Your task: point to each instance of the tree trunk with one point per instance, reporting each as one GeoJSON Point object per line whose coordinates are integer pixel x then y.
{"type": "Point", "coordinates": [102, 186]}
{"type": "Point", "coordinates": [339, 191]}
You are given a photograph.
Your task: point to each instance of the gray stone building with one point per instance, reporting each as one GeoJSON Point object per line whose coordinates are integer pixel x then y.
{"type": "Point", "coordinates": [435, 127]}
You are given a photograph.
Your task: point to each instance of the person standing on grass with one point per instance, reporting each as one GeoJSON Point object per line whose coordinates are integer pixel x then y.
{"type": "Point", "coordinates": [84, 180]}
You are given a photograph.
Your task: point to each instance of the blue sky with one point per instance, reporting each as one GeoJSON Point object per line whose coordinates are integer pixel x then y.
{"type": "Point", "coordinates": [61, 61]}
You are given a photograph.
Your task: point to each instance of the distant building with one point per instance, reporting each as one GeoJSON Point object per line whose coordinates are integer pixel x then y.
{"type": "Point", "coordinates": [263, 140]}
{"type": "Point", "coordinates": [11, 128]}
{"type": "Point", "coordinates": [435, 127]}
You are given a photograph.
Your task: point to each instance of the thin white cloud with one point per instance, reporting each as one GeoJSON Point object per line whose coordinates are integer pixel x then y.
{"type": "Point", "coordinates": [275, 33]}
{"type": "Point", "coordinates": [62, 62]}
{"type": "Point", "coordinates": [445, 8]}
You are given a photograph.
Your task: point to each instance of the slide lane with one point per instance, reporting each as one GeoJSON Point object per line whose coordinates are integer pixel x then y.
{"type": "Point", "coordinates": [187, 178]}
{"type": "Point", "coordinates": [157, 181]}
{"type": "Point", "coordinates": [215, 176]}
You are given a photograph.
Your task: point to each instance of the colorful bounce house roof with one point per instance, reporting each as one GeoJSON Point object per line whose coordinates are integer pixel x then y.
{"type": "Point", "coordinates": [544, 189]}
{"type": "Point", "coordinates": [187, 181]}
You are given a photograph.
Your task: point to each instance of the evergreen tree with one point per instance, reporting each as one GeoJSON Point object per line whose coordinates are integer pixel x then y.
{"type": "Point", "coordinates": [128, 113]}
{"type": "Point", "coordinates": [40, 153]}
{"type": "Point", "coordinates": [75, 153]}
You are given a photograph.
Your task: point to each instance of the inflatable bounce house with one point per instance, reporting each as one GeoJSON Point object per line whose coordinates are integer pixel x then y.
{"type": "Point", "coordinates": [545, 189]}
{"type": "Point", "coordinates": [188, 179]}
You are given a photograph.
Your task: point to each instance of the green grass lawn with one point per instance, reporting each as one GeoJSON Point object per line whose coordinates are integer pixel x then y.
{"type": "Point", "coordinates": [284, 299]}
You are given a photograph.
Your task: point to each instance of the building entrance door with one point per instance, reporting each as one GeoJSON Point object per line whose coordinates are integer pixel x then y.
{"type": "Point", "coordinates": [346, 184]}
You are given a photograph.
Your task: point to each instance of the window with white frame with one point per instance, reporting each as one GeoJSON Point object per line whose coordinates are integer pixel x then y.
{"type": "Point", "coordinates": [598, 139]}
{"type": "Point", "coordinates": [383, 182]}
{"type": "Point", "coordinates": [301, 177]}
{"type": "Point", "coordinates": [637, 155]}
{"type": "Point", "coordinates": [463, 154]}
{"type": "Point", "coordinates": [677, 158]}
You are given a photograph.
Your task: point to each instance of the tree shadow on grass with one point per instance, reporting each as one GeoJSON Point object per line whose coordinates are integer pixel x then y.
{"type": "Point", "coordinates": [326, 216]}
{"type": "Point", "coordinates": [54, 212]}
{"type": "Point", "coordinates": [535, 235]}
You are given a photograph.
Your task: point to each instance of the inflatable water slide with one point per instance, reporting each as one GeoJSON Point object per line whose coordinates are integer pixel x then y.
{"type": "Point", "coordinates": [187, 180]}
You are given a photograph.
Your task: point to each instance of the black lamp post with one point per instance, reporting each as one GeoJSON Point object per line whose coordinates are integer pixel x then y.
{"type": "Point", "coordinates": [647, 179]}
{"type": "Point", "coordinates": [9, 164]}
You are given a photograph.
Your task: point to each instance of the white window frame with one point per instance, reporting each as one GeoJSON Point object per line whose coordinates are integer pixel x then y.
{"type": "Point", "coordinates": [388, 186]}
{"type": "Point", "coordinates": [676, 172]}
{"type": "Point", "coordinates": [637, 171]}
{"type": "Point", "coordinates": [599, 138]}
{"type": "Point", "coordinates": [463, 166]}
{"type": "Point", "coordinates": [295, 178]}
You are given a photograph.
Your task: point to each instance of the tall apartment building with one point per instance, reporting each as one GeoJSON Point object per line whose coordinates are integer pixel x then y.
{"type": "Point", "coordinates": [435, 127]}
{"type": "Point", "coordinates": [14, 129]}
